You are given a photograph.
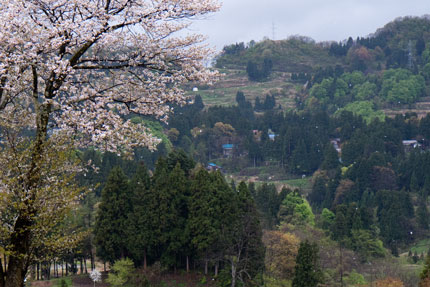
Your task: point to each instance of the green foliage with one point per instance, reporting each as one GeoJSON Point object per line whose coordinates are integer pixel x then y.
{"type": "Point", "coordinates": [423, 214]}
{"type": "Point", "coordinates": [63, 282]}
{"type": "Point", "coordinates": [275, 282]}
{"type": "Point", "coordinates": [297, 54]}
{"type": "Point", "coordinates": [401, 86]}
{"type": "Point", "coordinates": [354, 278]}
{"type": "Point", "coordinates": [395, 209]}
{"type": "Point", "coordinates": [366, 244]}
{"type": "Point", "coordinates": [365, 91]}
{"type": "Point", "coordinates": [142, 224]}
{"type": "Point", "coordinates": [156, 130]}
{"type": "Point", "coordinates": [303, 213]}
{"type": "Point", "coordinates": [327, 219]}
{"type": "Point", "coordinates": [425, 273]}
{"type": "Point", "coordinates": [307, 270]}
{"type": "Point", "coordinates": [111, 218]}
{"type": "Point", "coordinates": [364, 109]}
{"type": "Point", "coordinates": [259, 72]}
{"type": "Point", "coordinates": [331, 159]}
{"type": "Point", "coordinates": [121, 273]}
{"type": "Point", "coordinates": [296, 210]}
{"type": "Point", "coordinates": [268, 201]}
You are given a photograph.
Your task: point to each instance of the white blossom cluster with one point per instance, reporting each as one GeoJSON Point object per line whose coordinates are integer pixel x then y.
{"type": "Point", "coordinates": [71, 74]}
{"type": "Point", "coordinates": [92, 63]}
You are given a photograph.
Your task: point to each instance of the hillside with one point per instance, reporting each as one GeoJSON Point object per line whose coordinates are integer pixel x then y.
{"type": "Point", "coordinates": [387, 71]}
{"type": "Point", "coordinates": [389, 45]}
{"type": "Point", "coordinates": [297, 54]}
{"type": "Point", "coordinates": [223, 93]}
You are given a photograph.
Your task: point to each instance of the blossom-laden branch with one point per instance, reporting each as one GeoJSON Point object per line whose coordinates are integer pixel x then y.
{"type": "Point", "coordinates": [122, 56]}
{"type": "Point", "coordinates": [70, 73]}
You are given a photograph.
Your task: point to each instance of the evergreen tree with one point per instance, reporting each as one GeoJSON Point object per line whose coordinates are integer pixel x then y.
{"type": "Point", "coordinates": [141, 238]}
{"type": "Point", "coordinates": [206, 212]}
{"type": "Point", "coordinates": [300, 158]}
{"type": "Point", "coordinates": [240, 98]}
{"type": "Point", "coordinates": [307, 270]}
{"type": "Point", "coordinates": [244, 248]}
{"type": "Point", "coordinates": [340, 226]}
{"type": "Point", "coordinates": [426, 188]}
{"type": "Point", "coordinates": [423, 214]}
{"type": "Point", "coordinates": [258, 106]}
{"type": "Point", "coordinates": [177, 234]}
{"type": "Point", "coordinates": [111, 222]}
{"type": "Point", "coordinates": [331, 159]}
{"type": "Point", "coordinates": [181, 157]}
{"type": "Point", "coordinates": [269, 102]}
{"type": "Point", "coordinates": [414, 185]}
{"type": "Point", "coordinates": [316, 197]}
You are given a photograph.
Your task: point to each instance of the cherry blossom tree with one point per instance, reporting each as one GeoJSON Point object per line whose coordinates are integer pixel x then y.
{"type": "Point", "coordinates": [71, 73]}
{"type": "Point", "coordinates": [96, 276]}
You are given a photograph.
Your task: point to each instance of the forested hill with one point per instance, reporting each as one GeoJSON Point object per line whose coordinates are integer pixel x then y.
{"type": "Point", "coordinates": [398, 44]}
{"type": "Point", "coordinates": [297, 54]}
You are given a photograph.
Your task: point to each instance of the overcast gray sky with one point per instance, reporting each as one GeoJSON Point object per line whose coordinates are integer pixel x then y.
{"type": "Point", "coordinates": [322, 20]}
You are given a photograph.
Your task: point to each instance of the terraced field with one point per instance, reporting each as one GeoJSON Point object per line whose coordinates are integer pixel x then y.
{"type": "Point", "coordinates": [421, 108]}
{"type": "Point", "coordinates": [223, 93]}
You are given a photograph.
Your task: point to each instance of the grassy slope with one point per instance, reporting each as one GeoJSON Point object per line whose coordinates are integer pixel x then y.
{"type": "Point", "coordinates": [223, 93]}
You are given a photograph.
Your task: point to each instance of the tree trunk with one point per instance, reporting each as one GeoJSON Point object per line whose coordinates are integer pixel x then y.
{"type": "Point", "coordinates": [145, 263]}
{"type": "Point", "coordinates": [233, 274]}
{"type": "Point", "coordinates": [216, 268]}
{"type": "Point", "coordinates": [85, 265]}
{"type": "Point", "coordinates": [21, 236]}
{"type": "Point", "coordinates": [82, 266]}
{"type": "Point", "coordinates": [48, 270]}
{"type": "Point", "coordinates": [206, 267]}
{"type": "Point", "coordinates": [92, 260]}
{"type": "Point", "coordinates": [17, 266]}
{"type": "Point", "coordinates": [188, 264]}
{"type": "Point", "coordinates": [2, 282]}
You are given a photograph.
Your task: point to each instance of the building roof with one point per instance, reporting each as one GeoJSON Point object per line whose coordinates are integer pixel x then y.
{"type": "Point", "coordinates": [227, 146]}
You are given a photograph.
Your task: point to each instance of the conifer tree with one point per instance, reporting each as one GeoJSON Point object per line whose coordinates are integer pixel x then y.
{"type": "Point", "coordinates": [204, 217]}
{"type": "Point", "coordinates": [141, 221]}
{"type": "Point", "coordinates": [413, 185]}
{"type": "Point", "coordinates": [161, 190]}
{"type": "Point", "coordinates": [319, 190]}
{"type": "Point", "coordinates": [176, 195]}
{"type": "Point", "coordinates": [307, 270]}
{"type": "Point", "coordinates": [110, 228]}
{"type": "Point", "coordinates": [331, 159]}
{"type": "Point", "coordinates": [244, 249]}
{"type": "Point", "coordinates": [423, 214]}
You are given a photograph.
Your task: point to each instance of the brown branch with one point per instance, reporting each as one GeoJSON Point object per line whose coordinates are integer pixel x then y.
{"type": "Point", "coordinates": [3, 102]}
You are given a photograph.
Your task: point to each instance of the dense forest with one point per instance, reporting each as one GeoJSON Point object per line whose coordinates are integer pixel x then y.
{"type": "Point", "coordinates": [201, 202]}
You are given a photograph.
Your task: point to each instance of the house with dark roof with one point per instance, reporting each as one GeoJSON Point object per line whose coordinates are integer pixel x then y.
{"type": "Point", "coordinates": [227, 150]}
